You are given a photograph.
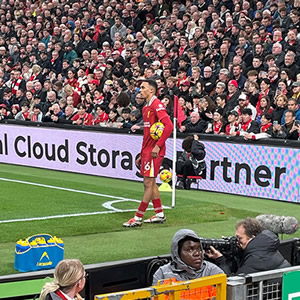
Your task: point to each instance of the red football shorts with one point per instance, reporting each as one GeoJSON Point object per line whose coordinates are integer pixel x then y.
{"type": "Point", "coordinates": [150, 166]}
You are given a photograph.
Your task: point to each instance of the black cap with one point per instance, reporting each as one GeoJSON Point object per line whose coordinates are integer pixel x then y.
{"type": "Point", "coordinates": [247, 111]}
{"type": "Point", "coordinates": [233, 112]}
{"type": "Point", "coordinates": [219, 110]}
{"type": "Point", "coordinates": [196, 95]}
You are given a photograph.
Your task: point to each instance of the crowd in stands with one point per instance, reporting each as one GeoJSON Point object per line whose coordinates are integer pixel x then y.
{"type": "Point", "coordinates": [231, 66]}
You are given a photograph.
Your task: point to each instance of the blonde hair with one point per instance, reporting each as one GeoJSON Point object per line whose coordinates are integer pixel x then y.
{"type": "Point", "coordinates": [68, 89]}
{"type": "Point", "coordinates": [36, 69]}
{"type": "Point", "coordinates": [284, 97]}
{"type": "Point", "coordinates": [67, 273]}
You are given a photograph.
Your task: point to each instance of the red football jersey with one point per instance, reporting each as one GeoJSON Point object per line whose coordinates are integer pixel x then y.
{"type": "Point", "coordinates": [153, 112]}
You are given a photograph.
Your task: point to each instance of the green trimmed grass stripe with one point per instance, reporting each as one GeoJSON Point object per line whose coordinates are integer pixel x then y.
{"type": "Point", "coordinates": [87, 212]}
{"type": "Point", "coordinates": [20, 288]}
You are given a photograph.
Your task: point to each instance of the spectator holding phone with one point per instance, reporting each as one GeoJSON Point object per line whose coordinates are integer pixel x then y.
{"type": "Point", "coordinates": [289, 130]}
{"type": "Point", "coordinates": [265, 129]}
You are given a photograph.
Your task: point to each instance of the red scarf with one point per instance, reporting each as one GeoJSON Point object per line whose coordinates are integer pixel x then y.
{"type": "Point", "coordinates": [25, 115]}
{"type": "Point", "coordinates": [181, 50]}
{"type": "Point", "coordinates": [262, 94]}
{"type": "Point", "coordinates": [217, 127]}
{"type": "Point", "coordinates": [244, 126]}
{"type": "Point", "coordinates": [79, 84]}
{"type": "Point", "coordinates": [32, 78]}
{"type": "Point", "coordinates": [61, 295]}
{"type": "Point", "coordinates": [100, 100]}
{"type": "Point", "coordinates": [231, 128]}
{"type": "Point", "coordinates": [16, 85]}
{"type": "Point", "coordinates": [101, 118]}
{"type": "Point", "coordinates": [264, 128]}
{"type": "Point", "coordinates": [179, 81]}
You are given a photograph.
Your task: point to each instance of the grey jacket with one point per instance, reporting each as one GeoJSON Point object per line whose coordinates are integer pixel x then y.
{"type": "Point", "coordinates": [178, 269]}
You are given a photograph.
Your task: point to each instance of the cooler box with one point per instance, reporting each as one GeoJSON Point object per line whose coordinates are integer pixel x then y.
{"type": "Point", "coordinates": [38, 252]}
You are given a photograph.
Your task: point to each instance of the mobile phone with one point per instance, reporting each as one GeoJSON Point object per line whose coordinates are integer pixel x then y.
{"type": "Point", "coordinates": [297, 123]}
{"type": "Point", "coordinates": [275, 123]}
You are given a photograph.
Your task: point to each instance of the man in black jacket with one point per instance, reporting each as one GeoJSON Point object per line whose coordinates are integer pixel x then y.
{"type": "Point", "coordinates": [191, 161]}
{"type": "Point", "coordinates": [259, 249]}
{"type": "Point", "coordinates": [247, 125]}
{"type": "Point", "coordinates": [196, 125]}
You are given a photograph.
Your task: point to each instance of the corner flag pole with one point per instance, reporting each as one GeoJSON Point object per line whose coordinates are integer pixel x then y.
{"type": "Point", "coordinates": [174, 161]}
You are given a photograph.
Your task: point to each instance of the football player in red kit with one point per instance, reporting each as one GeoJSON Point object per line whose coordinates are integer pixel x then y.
{"type": "Point", "coordinates": [152, 154]}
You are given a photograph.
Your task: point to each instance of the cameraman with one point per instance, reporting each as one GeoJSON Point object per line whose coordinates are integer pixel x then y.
{"type": "Point", "coordinates": [259, 249]}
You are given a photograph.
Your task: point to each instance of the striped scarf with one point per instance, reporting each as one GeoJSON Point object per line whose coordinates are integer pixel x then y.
{"type": "Point", "coordinates": [32, 78]}
{"type": "Point", "coordinates": [15, 85]}
{"type": "Point", "coordinates": [80, 82]}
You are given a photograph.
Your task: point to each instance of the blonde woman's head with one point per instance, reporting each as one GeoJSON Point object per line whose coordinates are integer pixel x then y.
{"type": "Point", "coordinates": [69, 275]}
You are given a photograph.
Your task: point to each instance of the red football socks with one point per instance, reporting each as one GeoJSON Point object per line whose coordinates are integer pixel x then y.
{"type": "Point", "coordinates": [141, 210]}
{"type": "Point", "coordinates": [157, 205]}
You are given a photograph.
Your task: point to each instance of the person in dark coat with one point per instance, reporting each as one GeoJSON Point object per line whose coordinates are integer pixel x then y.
{"type": "Point", "coordinates": [287, 131]}
{"type": "Point", "coordinates": [232, 96]}
{"type": "Point", "coordinates": [259, 250]}
{"type": "Point", "coordinates": [191, 161]}
{"type": "Point", "coordinates": [247, 125]}
{"type": "Point", "coordinates": [56, 63]}
{"type": "Point", "coordinates": [196, 125]}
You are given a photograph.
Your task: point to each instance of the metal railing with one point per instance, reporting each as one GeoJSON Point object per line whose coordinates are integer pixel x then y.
{"type": "Point", "coordinates": [257, 286]}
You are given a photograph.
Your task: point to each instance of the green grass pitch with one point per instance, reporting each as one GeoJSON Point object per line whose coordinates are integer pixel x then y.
{"type": "Point", "coordinates": [88, 213]}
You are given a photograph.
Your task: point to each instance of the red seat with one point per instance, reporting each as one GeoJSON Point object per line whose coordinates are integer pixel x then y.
{"type": "Point", "coordinates": [194, 178]}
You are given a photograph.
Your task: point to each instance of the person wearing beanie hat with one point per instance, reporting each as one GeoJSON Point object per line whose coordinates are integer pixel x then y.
{"type": "Point", "coordinates": [233, 95]}
{"type": "Point", "coordinates": [4, 112]}
{"type": "Point", "coordinates": [15, 108]}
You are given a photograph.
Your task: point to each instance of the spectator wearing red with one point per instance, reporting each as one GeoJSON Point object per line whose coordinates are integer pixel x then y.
{"type": "Point", "coordinates": [82, 117]}
{"type": "Point", "coordinates": [102, 116]}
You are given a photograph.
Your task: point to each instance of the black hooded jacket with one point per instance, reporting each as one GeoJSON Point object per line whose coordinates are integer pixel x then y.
{"type": "Point", "coordinates": [261, 254]}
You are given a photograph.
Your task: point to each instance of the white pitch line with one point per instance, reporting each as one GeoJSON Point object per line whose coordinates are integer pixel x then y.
{"type": "Point", "coordinates": [107, 205]}
{"type": "Point", "coordinates": [64, 189]}
{"type": "Point", "coordinates": [63, 216]}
